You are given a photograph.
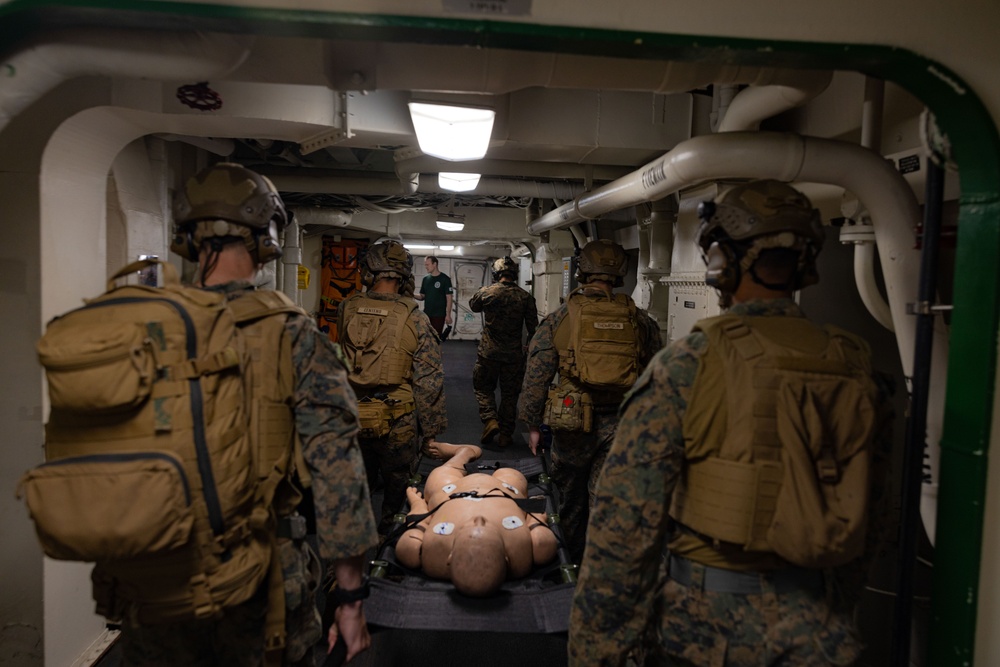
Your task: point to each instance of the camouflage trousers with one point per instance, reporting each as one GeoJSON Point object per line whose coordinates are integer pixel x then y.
{"type": "Point", "coordinates": [697, 628]}
{"type": "Point", "coordinates": [486, 375]}
{"type": "Point", "coordinates": [577, 459]}
{"type": "Point", "coordinates": [234, 640]}
{"type": "Point", "coordinates": [395, 457]}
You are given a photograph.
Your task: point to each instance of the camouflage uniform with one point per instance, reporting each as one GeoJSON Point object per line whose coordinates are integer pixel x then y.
{"type": "Point", "coordinates": [624, 602]}
{"type": "Point", "coordinates": [395, 455]}
{"type": "Point", "coordinates": [500, 358]}
{"type": "Point", "coordinates": [326, 425]}
{"type": "Point", "coordinates": [577, 458]}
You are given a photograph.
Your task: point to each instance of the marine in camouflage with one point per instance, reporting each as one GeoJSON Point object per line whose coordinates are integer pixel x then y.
{"type": "Point", "coordinates": [625, 605]}
{"type": "Point", "coordinates": [576, 457]}
{"type": "Point", "coordinates": [394, 456]}
{"type": "Point", "coordinates": [508, 311]}
{"type": "Point", "coordinates": [325, 410]}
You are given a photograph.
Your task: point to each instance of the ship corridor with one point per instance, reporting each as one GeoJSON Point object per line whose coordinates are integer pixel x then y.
{"type": "Point", "coordinates": [420, 647]}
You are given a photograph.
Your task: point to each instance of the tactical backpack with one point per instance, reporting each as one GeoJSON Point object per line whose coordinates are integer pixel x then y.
{"type": "Point", "coordinates": [149, 468]}
{"type": "Point", "coordinates": [778, 435]}
{"type": "Point", "coordinates": [597, 341]}
{"type": "Point", "coordinates": [372, 339]}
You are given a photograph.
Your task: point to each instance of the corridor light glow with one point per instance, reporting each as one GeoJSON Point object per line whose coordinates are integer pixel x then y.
{"type": "Point", "coordinates": [457, 182]}
{"type": "Point", "coordinates": [450, 132]}
{"type": "Point", "coordinates": [446, 247]}
{"type": "Point", "coordinates": [419, 246]}
{"type": "Point", "coordinates": [450, 226]}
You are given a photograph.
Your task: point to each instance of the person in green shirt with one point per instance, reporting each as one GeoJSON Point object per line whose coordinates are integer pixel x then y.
{"type": "Point", "coordinates": [436, 293]}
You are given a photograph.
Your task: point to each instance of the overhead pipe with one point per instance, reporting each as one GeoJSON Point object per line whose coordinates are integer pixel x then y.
{"type": "Point", "coordinates": [165, 56]}
{"type": "Point", "coordinates": [785, 157]}
{"type": "Point", "coordinates": [369, 186]}
{"type": "Point", "coordinates": [766, 99]}
{"type": "Point", "coordinates": [864, 254]}
{"type": "Point", "coordinates": [426, 164]}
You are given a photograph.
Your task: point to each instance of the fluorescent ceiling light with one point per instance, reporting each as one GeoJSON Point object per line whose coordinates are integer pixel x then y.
{"type": "Point", "coordinates": [419, 246]}
{"type": "Point", "coordinates": [446, 247]}
{"type": "Point", "coordinates": [457, 182]}
{"type": "Point", "coordinates": [451, 222]}
{"type": "Point", "coordinates": [452, 133]}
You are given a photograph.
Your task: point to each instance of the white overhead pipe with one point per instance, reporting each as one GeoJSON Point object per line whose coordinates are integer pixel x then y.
{"type": "Point", "coordinates": [766, 99]}
{"type": "Point", "coordinates": [864, 254]}
{"type": "Point", "coordinates": [785, 157]}
{"type": "Point", "coordinates": [165, 56]}
{"type": "Point", "coordinates": [426, 164]}
{"type": "Point", "coordinates": [380, 186]}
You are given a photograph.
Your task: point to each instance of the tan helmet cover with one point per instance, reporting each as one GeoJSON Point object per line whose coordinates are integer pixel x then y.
{"type": "Point", "coordinates": [759, 208]}
{"type": "Point", "coordinates": [388, 259]}
{"type": "Point", "coordinates": [227, 199]}
{"type": "Point", "coordinates": [602, 260]}
{"type": "Point", "coordinates": [504, 266]}
{"type": "Point", "coordinates": [747, 219]}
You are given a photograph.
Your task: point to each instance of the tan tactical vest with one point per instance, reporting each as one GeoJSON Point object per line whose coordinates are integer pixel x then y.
{"type": "Point", "coordinates": [778, 435]}
{"type": "Point", "coordinates": [261, 316]}
{"type": "Point", "coordinates": [379, 342]}
{"type": "Point", "coordinates": [597, 344]}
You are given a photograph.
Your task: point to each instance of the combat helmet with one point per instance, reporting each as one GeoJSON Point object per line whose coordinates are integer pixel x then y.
{"type": "Point", "coordinates": [602, 260]}
{"type": "Point", "coordinates": [386, 259]}
{"type": "Point", "coordinates": [504, 266]}
{"type": "Point", "coordinates": [749, 218]}
{"type": "Point", "coordinates": [229, 200]}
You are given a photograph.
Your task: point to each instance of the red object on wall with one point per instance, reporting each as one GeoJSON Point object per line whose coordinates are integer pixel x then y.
{"type": "Point", "coordinates": [341, 277]}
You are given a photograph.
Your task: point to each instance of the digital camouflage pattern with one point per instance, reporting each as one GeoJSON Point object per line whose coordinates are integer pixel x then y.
{"type": "Point", "coordinates": [621, 600]}
{"type": "Point", "coordinates": [576, 457]}
{"type": "Point", "coordinates": [237, 637]}
{"type": "Point", "coordinates": [508, 311]}
{"type": "Point", "coordinates": [326, 422]}
{"type": "Point", "coordinates": [395, 455]}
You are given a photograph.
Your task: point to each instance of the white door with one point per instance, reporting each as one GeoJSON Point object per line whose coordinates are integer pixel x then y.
{"type": "Point", "coordinates": [469, 277]}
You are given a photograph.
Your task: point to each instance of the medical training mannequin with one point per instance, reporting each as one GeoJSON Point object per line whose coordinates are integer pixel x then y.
{"type": "Point", "coordinates": [479, 540]}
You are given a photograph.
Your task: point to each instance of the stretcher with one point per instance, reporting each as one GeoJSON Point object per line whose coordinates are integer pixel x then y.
{"type": "Point", "coordinates": [415, 620]}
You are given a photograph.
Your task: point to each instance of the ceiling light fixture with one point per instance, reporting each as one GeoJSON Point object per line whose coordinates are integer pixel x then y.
{"type": "Point", "coordinates": [457, 182]}
{"type": "Point", "coordinates": [450, 132]}
{"type": "Point", "coordinates": [451, 222]}
{"type": "Point", "coordinates": [419, 246]}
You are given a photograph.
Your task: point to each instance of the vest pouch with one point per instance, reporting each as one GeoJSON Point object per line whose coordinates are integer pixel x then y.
{"type": "Point", "coordinates": [98, 368]}
{"type": "Point", "coordinates": [607, 364]}
{"type": "Point", "coordinates": [825, 424]}
{"type": "Point", "coordinates": [300, 569]}
{"type": "Point", "coordinates": [568, 409]}
{"type": "Point", "coordinates": [374, 419]}
{"type": "Point", "coordinates": [85, 508]}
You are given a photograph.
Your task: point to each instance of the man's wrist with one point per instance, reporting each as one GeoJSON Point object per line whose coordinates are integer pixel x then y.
{"type": "Point", "coordinates": [348, 597]}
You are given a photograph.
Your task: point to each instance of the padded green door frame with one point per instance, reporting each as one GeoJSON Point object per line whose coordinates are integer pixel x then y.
{"type": "Point", "coordinates": [960, 116]}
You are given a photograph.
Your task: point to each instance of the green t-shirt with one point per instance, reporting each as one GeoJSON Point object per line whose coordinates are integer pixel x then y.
{"type": "Point", "coordinates": [435, 289]}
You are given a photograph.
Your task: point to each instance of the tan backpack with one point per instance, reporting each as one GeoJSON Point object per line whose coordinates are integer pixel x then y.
{"type": "Point", "coordinates": [371, 336]}
{"type": "Point", "coordinates": [597, 342]}
{"type": "Point", "coordinates": [148, 452]}
{"type": "Point", "coordinates": [778, 435]}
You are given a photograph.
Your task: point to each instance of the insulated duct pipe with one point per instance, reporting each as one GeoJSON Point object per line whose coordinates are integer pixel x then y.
{"type": "Point", "coordinates": [759, 102]}
{"type": "Point", "coordinates": [172, 56]}
{"type": "Point", "coordinates": [380, 186]}
{"type": "Point", "coordinates": [291, 257]}
{"type": "Point", "coordinates": [661, 235]}
{"type": "Point", "coordinates": [864, 254]}
{"type": "Point", "coordinates": [785, 157]}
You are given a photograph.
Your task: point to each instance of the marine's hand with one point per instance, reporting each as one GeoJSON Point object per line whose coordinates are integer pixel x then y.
{"type": "Point", "coordinates": [350, 626]}
{"type": "Point", "coordinates": [534, 437]}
